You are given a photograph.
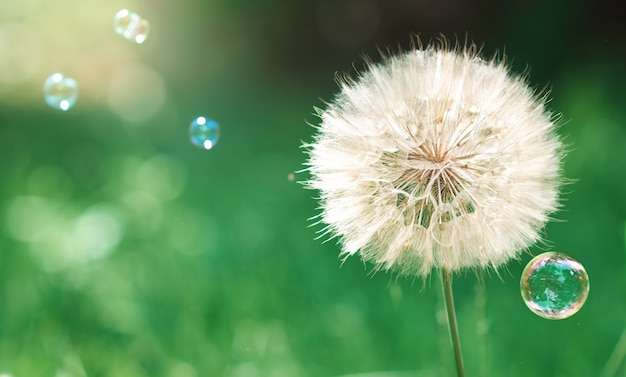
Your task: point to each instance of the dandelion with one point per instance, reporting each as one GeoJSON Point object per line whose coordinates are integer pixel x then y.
{"type": "Point", "coordinates": [435, 159]}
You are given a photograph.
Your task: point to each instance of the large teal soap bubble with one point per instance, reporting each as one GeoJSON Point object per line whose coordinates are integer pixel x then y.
{"type": "Point", "coordinates": [554, 285]}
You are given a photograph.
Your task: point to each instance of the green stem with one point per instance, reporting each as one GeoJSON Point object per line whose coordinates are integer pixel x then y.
{"type": "Point", "coordinates": [446, 282]}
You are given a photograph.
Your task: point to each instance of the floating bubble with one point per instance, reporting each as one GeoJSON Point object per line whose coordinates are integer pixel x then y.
{"type": "Point", "coordinates": [204, 133]}
{"type": "Point", "coordinates": [131, 26]}
{"type": "Point", "coordinates": [60, 92]}
{"type": "Point", "coordinates": [554, 285]}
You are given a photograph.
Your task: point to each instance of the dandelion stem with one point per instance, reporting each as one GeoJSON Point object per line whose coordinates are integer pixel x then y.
{"type": "Point", "coordinates": [446, 283]}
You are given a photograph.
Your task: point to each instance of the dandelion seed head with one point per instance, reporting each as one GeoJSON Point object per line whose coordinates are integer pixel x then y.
{"type": "Point", "coordinates": [435, 158]}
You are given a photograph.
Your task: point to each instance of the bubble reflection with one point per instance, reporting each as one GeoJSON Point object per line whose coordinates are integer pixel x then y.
{"type": "Point", "coordinates": [554, 285]}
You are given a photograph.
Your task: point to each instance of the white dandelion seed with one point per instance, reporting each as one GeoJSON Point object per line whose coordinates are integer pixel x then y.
{"type": "Point", "coordinates": [435, 159]}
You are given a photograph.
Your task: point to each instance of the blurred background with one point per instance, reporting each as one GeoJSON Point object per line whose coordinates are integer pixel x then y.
{"type": "Point", "coordinates": [127, 251]}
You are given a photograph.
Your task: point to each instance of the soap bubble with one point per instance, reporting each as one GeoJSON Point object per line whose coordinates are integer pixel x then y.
{"type": "Point", "coordinates": [60, 92]}
{"type": "Point", "coordinates": [204, 133]}
{"type": "Point", "coordinates": [554, 285]}
{"type": "Point", "coordinates": [131, 26]}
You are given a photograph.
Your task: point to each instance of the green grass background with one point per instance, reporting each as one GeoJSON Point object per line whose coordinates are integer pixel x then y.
{"type": "Point", "coordinates": [216, 271]}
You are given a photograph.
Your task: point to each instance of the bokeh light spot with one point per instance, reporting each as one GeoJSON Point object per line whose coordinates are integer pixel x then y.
{"type": "Point", "coordinates": [136, 93]}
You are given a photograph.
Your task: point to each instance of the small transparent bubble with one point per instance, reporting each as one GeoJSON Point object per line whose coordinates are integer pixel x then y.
{"type": "Point", "coordinates": [204, 133]}
{"type": "Point", "coordinates": [554, 285]}
{"type": "Point", "coordinates": [131, 26]}
{"type": "Point", "coordinates": [60, 92]}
